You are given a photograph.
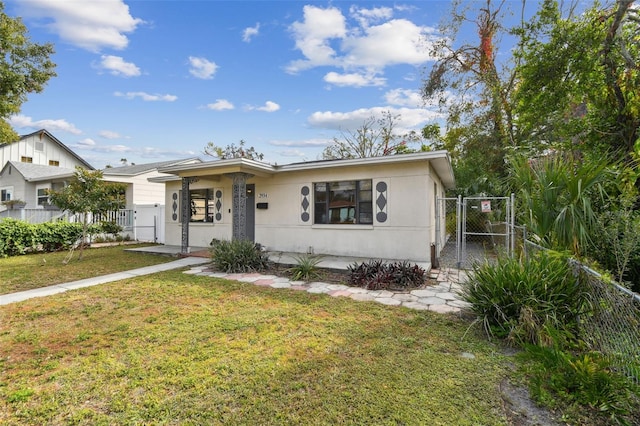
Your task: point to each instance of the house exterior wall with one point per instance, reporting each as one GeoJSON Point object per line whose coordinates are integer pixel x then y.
{"type": "Point", "coordinates": [139, 189]}
{"type": "Point", "coordinates": [29, 147]}
{"type": "Point", "coordinates": [13, 180]}
{"type": "Point", "coordinates": [404, 229]}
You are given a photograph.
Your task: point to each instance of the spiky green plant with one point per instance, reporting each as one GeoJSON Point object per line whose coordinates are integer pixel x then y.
{"type": "Point", "coordinates": [306, 267]}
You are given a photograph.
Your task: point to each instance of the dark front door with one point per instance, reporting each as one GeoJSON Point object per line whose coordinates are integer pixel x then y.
{"type": "Point", "coordinates": [250, 212]}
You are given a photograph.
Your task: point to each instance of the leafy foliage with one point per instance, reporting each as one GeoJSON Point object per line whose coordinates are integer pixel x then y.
{"type": "Point", "coordinates": [520, 300]}
{"type": "Point", "coordinates": [25, 68]}
{"type": "Point", "coordinates": [233, 151]}
{"type": "Point", "coordinates": [556, 195]}
{"type": "Point", "coordinates": [54, 236]}
{"type": "Point", "coordinates": [16, 237]}
{"type": "Point", "coordinates": [88, 193]}
{"type": "Point", "coordinates": [378, 275]}
{"type": "Point", "coordinates": [306, 268]}
{"type": "Point", "coordinates": [586, 381]}
{"type": "Point", "coordinates": [238, 256]}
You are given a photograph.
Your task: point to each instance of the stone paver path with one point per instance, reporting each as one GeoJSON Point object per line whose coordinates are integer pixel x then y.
{"type": "Point", "coordinates": [444, 297]}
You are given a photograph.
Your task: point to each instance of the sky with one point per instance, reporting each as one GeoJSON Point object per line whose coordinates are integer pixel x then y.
{"type": "Point", "coordinates": [157, 80]}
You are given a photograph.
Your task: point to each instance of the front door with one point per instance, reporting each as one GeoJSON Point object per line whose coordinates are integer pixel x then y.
{"type": "Point", "coordinates": [250, 212]}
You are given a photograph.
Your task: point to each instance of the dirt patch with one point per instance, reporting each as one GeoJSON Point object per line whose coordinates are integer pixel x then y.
{"type": "Point", "coordinates": [521, 410]}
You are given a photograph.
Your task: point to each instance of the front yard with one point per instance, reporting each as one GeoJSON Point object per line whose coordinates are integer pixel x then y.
{"type": "Point", "coordinates": [20, 273]}
{"type": "Point", "coordinates": [172, 348]}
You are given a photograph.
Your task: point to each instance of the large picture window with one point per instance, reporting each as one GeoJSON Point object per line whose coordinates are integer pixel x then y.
{"type": "Point", "coordinates": [344, 202]}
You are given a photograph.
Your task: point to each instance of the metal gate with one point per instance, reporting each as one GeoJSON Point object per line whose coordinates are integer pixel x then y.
{"type": "Point", "coordinates": [473, 229]}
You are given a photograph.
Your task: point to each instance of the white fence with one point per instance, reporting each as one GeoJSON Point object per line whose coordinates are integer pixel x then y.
{"type": "Point", "coordinates": [142, 223]}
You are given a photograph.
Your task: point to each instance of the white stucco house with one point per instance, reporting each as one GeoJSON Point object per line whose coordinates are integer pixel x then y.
{"type": "Point", "coordinates": [34, 164]}
{"type": "Point", "coordinates": [381, 207]}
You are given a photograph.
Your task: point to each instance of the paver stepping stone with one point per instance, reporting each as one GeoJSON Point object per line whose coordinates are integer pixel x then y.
{"type": "Point", "coordinates": [388, 301]}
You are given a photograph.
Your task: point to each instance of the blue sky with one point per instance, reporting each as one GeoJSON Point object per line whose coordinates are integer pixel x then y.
{"type": "Point", "coordinates": [153, 80]}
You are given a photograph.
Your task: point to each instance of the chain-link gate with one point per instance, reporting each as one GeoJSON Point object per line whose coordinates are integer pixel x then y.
{"type": "Point", "coordinates": [473, 229]}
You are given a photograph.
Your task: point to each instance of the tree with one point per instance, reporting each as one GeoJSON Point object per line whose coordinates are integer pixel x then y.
{"type": "Point", "coordinates": [578, 81]}
{"type": "Point", "coordinates": [233, 151]}
{"type": "Point", "coordinates": [376, 137]}
{"type": "Point", "coordinates": [88, 194]}
{"type": "Point", "coordinates": [25, 67]}
{"type": "Point", "coordinates": [474, 91]}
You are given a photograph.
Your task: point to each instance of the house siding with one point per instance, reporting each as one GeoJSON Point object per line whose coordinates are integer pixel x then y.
{"type": "Point", "coordinates": [406, 232]}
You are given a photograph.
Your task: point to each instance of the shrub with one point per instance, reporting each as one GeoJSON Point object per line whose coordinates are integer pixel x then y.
{"type": "Point", "coordinates": [238, 256]}
{"type": "Point", "coordinates": [53, 236]}
{"type": "Point", "coordinates": [110, 227]}
{"type": "Point", "coordinates": [585, 384]}
{"type": "Point", "coordinates": [520, 300]}
{"type": "Point", "coordinates": [306, 268]}
{"type": "Point", "coordinates": [378, 275]}
{"type": "Point", "coordinates": [16, 237]}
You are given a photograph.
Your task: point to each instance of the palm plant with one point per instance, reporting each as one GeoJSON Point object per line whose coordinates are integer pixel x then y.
{"type": "Point", "coordinates": [556, 194]}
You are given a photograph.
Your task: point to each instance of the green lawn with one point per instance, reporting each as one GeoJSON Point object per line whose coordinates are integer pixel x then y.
{"type": "Point", "coordinates": [178, 349]}
{"type": "Point", "coordinates": [19, 273]}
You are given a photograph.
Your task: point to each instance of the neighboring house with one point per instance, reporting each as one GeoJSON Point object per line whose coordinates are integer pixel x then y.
{"type": "Point", "coordinates": [143, 216]}
{"type": "Point", "coordinates": [380, 207]}
{"type": "Point", "coordinates": [141, 191]}
{"type": "Point", "coordinates": [34, 164]}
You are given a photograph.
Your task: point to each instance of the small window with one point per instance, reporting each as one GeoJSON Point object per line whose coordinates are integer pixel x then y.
{"type": "Point", "coordinates": [344, 202]}
{"type": "Point", "coordinates": [39, 146]}
{"type": "Point", "coordinates": [54, 163]}
{"type": "Point", "coordinates": [5, 195]}
{"type": "Point", "coordinates": [43, 196]}
{"type": "Point", "coordinates": [24, 159]}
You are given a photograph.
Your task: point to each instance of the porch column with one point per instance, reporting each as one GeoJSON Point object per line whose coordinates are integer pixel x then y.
{"type": "Point", "coordinates": [239, 213]}
{"type": "Point", "coordinates": [185, 214]}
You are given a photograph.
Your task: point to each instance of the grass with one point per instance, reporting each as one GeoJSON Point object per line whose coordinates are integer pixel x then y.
{"type": "Point", "coordinates": [20, 273]}
{"type": "Point", "coordinates": [172, 348]}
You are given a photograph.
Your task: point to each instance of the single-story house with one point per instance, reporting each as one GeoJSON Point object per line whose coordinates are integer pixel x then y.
{"type": "Point", "coordinates": [380, 207]}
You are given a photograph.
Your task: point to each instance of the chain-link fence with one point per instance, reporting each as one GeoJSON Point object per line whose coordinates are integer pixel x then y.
{"type": "Point", "coordinates": [611, 325]}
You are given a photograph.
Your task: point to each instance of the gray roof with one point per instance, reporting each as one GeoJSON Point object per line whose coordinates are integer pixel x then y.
{"type": "Point", "coordinates": [139, 169]}
{"type": "Point", "coordinates": [37, 172]}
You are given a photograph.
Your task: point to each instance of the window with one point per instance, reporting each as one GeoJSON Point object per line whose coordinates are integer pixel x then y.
{"type": "Point", "coordinates": [202, 205]}
{"type": "Point", "coordinates": [6, 194]}
{"type": "Point", "coordinates": [43, 196]}
{"type": "Point", "coordinates": [54, 163]}
{"type": "Point", "coordinates": [39, 146]}
{"type": "Point", "coordinates": [24, 159]}
{"type": "Point", "coordinates": [344, 202]}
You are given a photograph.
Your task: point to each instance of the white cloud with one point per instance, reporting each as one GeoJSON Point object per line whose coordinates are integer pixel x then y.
{"type": "Point", "coordinates": [108, 134]}
{"type": "Point", "coordinates": [117, 66]}
{"type": "Point", "coordinates": [268, 106]}
{"type": "Point", "coordinates": [353, 79]}
{"type": "Point", "coordinates": [394, 42]}
{"type": "Point", "coordinates": [408, 118]}
{"type": "Point", "coordinates": [250, 32]}
{"type": "Point", "coordinates": [60, 125]}
{"type": "Point", "coordinates": [404, 97]}
{"type": "Point", "coordinates": [88, 142]}
{"type": "Point", "coordinates": [325, 39]}
{"type": "Point", "coordinates": [146, 96]}
{"type": "Point", "coordinates": [220, 105]}
{"type": "Point", "coordinates": [366, 16]}
{"type": "Point", "coordinates": [202, 68]}
{"type": "Point", "coordinates": [91, 25]}
{"type": "Point", "coordinates": [312, 36]}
